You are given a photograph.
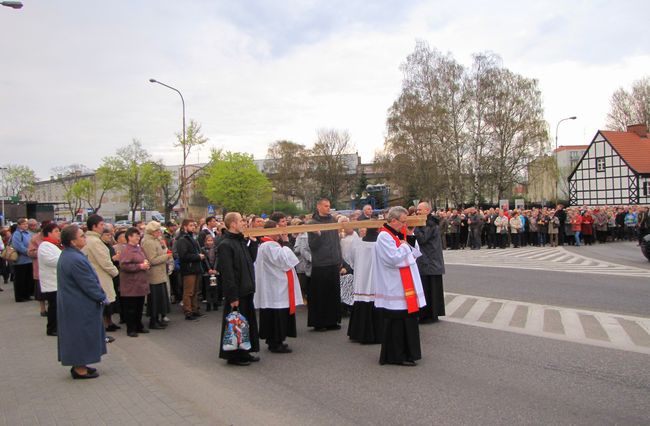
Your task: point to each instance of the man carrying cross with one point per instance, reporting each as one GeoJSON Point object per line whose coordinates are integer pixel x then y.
{"type": "Point", "coordinates": [278, 291]}
{"type": "Point", "coordinates": [398, 290]}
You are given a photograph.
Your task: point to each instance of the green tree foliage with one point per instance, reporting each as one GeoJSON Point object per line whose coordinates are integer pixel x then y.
{"type": "Point", "coordinates": [136, 173]}
{"type": "Point", "coordinates": [233, 182]}
{"type": "Point", "coordinates": [18, 180]}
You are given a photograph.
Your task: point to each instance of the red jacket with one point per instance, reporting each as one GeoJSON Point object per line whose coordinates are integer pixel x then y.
{"type": "Point", "coordinates": [133, 279]}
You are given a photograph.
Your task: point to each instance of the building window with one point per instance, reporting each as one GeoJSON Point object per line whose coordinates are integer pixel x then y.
{"type": "Point", "coordinates": [600, 164]}
{"type": "Point", "coordinates": [645, 188]}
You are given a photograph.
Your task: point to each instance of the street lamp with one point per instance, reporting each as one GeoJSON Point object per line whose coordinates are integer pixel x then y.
{"type": "Point", "coordinates": [153, 80]}
{"type": "Point", "coordinates": [557, 166]}
{"type": "Point", "coordinates": [12, 4]}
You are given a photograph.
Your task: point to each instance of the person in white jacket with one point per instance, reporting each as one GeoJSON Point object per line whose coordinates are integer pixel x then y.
{"type": "Point", "coordinates": [48, 257]}
{"type": "Point", "coordinates": [278, 291]}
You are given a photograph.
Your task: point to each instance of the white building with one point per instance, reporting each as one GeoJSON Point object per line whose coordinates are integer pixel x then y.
{"type": "Point", "coordinates": [615, 169]}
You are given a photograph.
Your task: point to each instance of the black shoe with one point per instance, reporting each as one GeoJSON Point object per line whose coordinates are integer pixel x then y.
{"type": "Point", "coordinates": [208, 308]}
{"type": "Point", "coordinates": [113, 327]}
{"type": "Point", "coordinates": [190, 317]}
{"type": "Point", "coordinates": [240, 362]}
{"type": "Point", "coordinates": [110, 339]}
{"type": "Point", "coordinates": [408, 363]}
{"type": "Point", "coordinates": [132, 334]}
{"type": "Point", "coordinates": [155, 327]}
{"type": "Point", "coordinates": [52, 333]}
{"type": "Point", "coordinates": [88, 375]}
{"type": "Point", "coordinates": [143, 331]}
{"type": "Point", "coordinates": [282, 349]}
{"type": "Point", "coordinates": [91, 370]}
{"type": "Point", "coordinates": [197, 314]}
{"type": "Point", "coordinates": [251, 358]}
{"type": "Point", "coordinates": [333, 327]}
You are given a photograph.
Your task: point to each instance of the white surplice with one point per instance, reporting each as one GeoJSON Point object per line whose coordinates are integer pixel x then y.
{"type": "Point", "coordinates": [272, 284]}
{"type": "Point", "coordinates": [387, 260]}
{"type": "Point", "coordinates": [364, 290]}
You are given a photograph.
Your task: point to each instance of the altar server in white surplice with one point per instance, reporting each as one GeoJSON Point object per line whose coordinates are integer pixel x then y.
{"type": "Point", "coordinates": [278, 291]}
{"type": "Point", "coordinates": [398, 290]}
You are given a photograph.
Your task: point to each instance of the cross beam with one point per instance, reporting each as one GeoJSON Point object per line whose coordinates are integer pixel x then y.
{"type": "Point", "coordinates": [315, 227]}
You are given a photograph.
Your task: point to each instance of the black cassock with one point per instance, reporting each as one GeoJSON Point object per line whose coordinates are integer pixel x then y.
{"type": "Point", "coordinates": [324, 307]}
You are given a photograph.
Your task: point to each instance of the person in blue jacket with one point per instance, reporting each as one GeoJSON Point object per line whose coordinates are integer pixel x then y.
{"type": "Point", "coordinates": [23, 273]}
{"type": "Point", "coordinates": [80, 302]}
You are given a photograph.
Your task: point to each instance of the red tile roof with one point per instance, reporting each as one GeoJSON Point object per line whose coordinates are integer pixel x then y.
{"type": "Point", "coordinates": [634, 149]}
{"type": "Point", "coordinates": [571, 148]}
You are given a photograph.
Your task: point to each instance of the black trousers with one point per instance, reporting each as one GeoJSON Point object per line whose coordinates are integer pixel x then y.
{"type": "Point", "coordinates": [401, 339]}
{"type": "Point", "coordinates": [23, 282]}
{"type": "Point", "coordinates": [454, 240]}
{"type": "Point", "coordinates": [133, 306]}
{"type": "Point", "coordinates": [324, 307]}
{"type": "Point", "coordinates": [435, 297]}
{"type": "Point", "coordinates": [51, 312]}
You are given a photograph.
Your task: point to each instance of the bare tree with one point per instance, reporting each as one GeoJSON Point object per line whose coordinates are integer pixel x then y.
{"type": "Point", "coordinates": [287, 166]}
{"type": "Point", "coordinates": [172, 194]}
{"type": "Point", "coordinates": [518, 132]}
{"type": "Point", "coordinates": [627, 108]}
{"type": "Point", "coordinates": [331, 171]}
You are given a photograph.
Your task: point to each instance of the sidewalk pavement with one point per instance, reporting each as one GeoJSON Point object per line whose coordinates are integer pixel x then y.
{"type": "Point", "coordinates": [37, 390]}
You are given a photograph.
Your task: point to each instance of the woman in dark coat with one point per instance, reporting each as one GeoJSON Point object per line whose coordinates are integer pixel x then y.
{"type": "Point", "coordinates": [80, 303]}
{"type": "Point", "coordinates": [134, 284]}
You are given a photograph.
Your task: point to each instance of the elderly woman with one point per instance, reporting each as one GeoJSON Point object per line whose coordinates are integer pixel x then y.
{"type": "Point", "coordinates": [158, 300]}
{"type": "Point", "coordinates": [49, 251]}
{"type": "Point", "coordinates": [80, 301]}
{"type": "Point", "coordinates": [134, 284]}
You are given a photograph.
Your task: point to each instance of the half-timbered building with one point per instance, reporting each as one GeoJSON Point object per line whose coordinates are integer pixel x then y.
{"type": "Point", "coordinates": [614, 170]}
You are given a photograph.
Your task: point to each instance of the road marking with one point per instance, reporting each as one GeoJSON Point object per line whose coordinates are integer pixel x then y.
{"type": "Point", "coordinates": [546, 259]}
{"type": "Point", "coordinates": [623, 332]}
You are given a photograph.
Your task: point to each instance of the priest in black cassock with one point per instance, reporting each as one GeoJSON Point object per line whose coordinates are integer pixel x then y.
{"type": "Point", "coordinates": [323, 309]}
{"type": "Point", "coordinates": [431, 265]}
{"type": "Point", "coordinates": [398, 290]}
{"type": "Point", "coordinates": [236, 255]}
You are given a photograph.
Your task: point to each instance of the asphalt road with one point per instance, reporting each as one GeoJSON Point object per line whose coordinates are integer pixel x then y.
{"type": "Point", "coordinates": [468, 375]}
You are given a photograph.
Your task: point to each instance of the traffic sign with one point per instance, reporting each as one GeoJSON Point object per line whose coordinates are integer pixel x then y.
{"type": "Point", "coordinates": [12, 198]}
{"type": "Point", "coordinates": [211, 210]}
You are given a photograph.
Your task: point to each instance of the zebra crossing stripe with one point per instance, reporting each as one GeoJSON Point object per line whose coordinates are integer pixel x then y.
{"type": "Point", "coordinates": [616, 331]}
{"type": "Point", "coordinates": [556, 259]}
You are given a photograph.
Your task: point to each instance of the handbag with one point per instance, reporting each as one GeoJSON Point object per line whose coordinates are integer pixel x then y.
{"type": "Point", "coordinates": [9, 254]}
{"type": "Point", "coordinates": [236, 335]}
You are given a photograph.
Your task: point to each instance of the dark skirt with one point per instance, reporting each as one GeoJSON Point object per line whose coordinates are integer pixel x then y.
{"type": "Point", "coordinates": [401, 341]}
{"type": "Point", "coordinates": [324, 298]}
{"type": "Point", "coordinates": [366, 323]}
{"type": "Point", "coordinates": [246, 308]}
{"type": "Point", "coordinates": [38, 295]}
{"type": "Point", "coordinates": [158, 301]}
{"type": "Point", "coordinates": [276, 325]}
{"type": "Point", "coordinates": [435, 297]}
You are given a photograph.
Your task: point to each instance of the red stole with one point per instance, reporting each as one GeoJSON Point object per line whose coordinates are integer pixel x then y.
{"type": "Point", "coordinates": [407, 278]}
{"type": "Point", "coordinates": [292, 294]}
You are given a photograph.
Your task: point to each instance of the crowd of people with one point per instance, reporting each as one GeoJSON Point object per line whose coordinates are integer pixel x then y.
{"type": "Point", "coordinates": [499, 228]}
{"type": "Point", "coordinates": [388, 279]}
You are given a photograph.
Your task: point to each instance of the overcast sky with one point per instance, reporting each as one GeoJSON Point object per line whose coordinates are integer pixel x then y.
{"type": "Point", "coordinates": [74, 74]}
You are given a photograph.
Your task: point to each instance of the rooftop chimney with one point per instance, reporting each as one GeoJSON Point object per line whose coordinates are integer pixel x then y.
{"type": "Point", "coordinates": [639, 129]}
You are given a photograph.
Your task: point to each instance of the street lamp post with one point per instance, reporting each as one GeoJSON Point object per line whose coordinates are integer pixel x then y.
{"type": "Point", "coordinates": [182, 174]}
{"type": "Point", "coordinates": [557, 166]}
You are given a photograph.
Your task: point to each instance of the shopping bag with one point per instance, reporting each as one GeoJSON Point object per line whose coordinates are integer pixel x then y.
{"type": "Point", "coordinates": [236, 335]}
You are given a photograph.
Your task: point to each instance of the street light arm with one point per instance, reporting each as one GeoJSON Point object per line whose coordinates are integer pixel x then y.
{"type": "Point", "coordinates": [557, 127]}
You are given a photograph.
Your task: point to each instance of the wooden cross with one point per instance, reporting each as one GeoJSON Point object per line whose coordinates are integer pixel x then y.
{"type": "Point", "coordinates": [298, 229]}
